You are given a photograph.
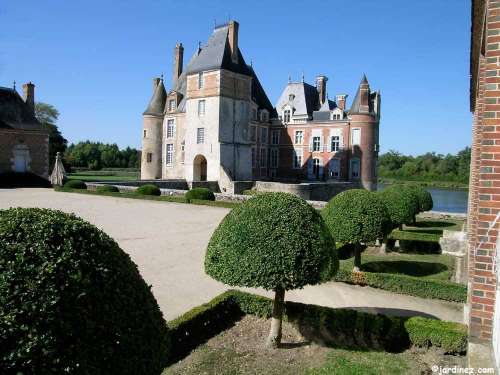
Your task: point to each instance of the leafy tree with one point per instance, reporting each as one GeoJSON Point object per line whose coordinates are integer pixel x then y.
{"type": "Point", "coordinates": [398, 205]}
{"type": "Point", "coordinates": [356, 216]}
{"type": "Point", "coordinates": [48, 115]}
{"type": "Point", "coordinates": [97, 155]}
{"type": "Point", "coordinates": [275, 241]}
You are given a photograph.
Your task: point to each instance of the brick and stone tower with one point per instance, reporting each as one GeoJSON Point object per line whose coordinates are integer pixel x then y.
{"type": "Point", "coordinates": [152, 133]}
{"type": "Point", "coordinates": [364, 122]}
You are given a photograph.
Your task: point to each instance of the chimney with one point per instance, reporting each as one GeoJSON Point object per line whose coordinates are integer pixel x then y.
{"type": "Point", "coordinates": [321, 87]}
{"type": "Point", "coordinates": [29, 95]}
{"type": "Point", "coordinates": [156, 82]}
{"type": "Point", "coordinates": [341, 99]}
{"type": "Point", "coordinates": [178, 60]}
{"type": "Point", "coordinates": [233, 40]}
{"type": "Point", "coordinates": [364, 92]}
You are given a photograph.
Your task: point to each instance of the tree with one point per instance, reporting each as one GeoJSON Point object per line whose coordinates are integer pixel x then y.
{"type": "Point", "coordinates": [398, 205]}
{"type": "Point", "coordinates": [275, 241]}
{"type": "Point", "coordinates": [96, 155]}
{"type": "Point", "coordinates": [48, 115]}
{"type": "Point", "coordinates": [356, 216]}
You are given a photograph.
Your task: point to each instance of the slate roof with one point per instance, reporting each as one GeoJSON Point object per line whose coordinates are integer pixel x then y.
{"type": "Point", "coordinates": [305, 98]}
{"type": "Point", "coordinates": [156, 105]}
{"type": "Point", "coordinates": [15, 113]}
{"type": "Point", "coordinates": [356, 103]}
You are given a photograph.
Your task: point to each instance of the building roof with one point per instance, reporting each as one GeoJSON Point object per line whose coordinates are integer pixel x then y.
{"type": "Point", "coordinates": [15, 113]}
{"type": "Point", "coordinates": [356, 103]}
{"type": "Point", "coordinates": [157, 103]}
{"type": "Point", "coordinates": [305, 98]}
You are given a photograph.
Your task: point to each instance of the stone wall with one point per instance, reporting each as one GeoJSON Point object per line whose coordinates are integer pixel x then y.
{"type": "Point", "coordinates": [317, 191]}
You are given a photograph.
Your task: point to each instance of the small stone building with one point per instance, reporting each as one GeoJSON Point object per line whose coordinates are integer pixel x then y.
{"type": "Point", "coordinates": [24, 143]}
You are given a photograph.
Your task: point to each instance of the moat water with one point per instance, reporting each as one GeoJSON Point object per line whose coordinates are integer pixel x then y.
{"type": "Point", "coordinates": [446, 200]}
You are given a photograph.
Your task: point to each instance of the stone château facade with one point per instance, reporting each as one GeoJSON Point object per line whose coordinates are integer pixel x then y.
{"type": "Point", "coordinates": [216, 124]}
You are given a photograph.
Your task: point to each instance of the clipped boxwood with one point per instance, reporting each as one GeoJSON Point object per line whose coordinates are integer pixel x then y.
{"type": "Point", "coordinates": [71, 301]}
{"type": "Point", "coordinates": [107, 189]}
{"type": "Point", "coordinates": [275, 241]}
{"type": "Point", "coordinates": [398, 205]}
{"type": "Point", "coordinates": [200, 193]}
{"type": "Point", "coordinates": [450, 336]}
{"type": "Point", "coordinates": [425, 202]}
{"type": "Point", "coordinates": [75, 184]}
{"type": "Point", "coordinates": [148, 189]}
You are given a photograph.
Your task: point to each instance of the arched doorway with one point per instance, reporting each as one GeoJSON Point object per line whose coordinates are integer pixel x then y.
{"type": "Point", "coordinates": [200, 168]}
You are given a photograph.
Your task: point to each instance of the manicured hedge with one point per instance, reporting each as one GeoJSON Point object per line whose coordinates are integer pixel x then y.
{"type": "Point", "coordinates": [75, 184]}
{"type": "Point", "coordinates": [71, 301]}
{"type": "Point", "coordinates": [413, 286]}
{"type": "Point", "coordinates": [335, 327]}
{"type": "Point", "coordinates": [200, 193]}
{"type": "Point", "coordinates": [107, 189]}
{"type": "Point", "coordinates": [148, 189]}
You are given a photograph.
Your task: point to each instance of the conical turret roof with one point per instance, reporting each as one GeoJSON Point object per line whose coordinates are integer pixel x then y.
{"type": "Point", "coordinates": [157, 103]}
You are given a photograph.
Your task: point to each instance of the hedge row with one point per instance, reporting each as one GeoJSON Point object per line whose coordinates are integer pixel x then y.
{"type": "Point", "coordinates": [402, 284]}
{"type": "Point", "coordinates": [334, 327]}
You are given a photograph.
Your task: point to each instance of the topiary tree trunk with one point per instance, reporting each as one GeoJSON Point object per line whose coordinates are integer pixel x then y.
{"type": "Point", "coordinates": [274, 338]}
{"type": "Point", "coordinates": [357, 257]}
{"type": "Point", "coordinates": [383, 246]}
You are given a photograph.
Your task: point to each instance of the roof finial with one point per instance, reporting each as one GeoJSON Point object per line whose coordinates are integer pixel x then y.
{"type": "Point", "coordinates": [14, 85]}
{"type": "Point", "coordinates": [302, 76]}
{"type": "Point", "coordinates": [251, 63]}
{"type": "Point", "coordinates": [215, 23]}
{"type": "Point", "coordinates": [289, 78]}
{"type": "Point", "coordinates": [161, 77]}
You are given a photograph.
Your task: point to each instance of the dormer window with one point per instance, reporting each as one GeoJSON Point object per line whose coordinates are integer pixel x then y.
{"type": "Point", "coordinates": [291, 97]}
{"type": "Point", "coordinates": [263, 116]}
{"type": "Point", "coordinates": [201, 80]}
{"type": "Point", "coordinates": [171, 105]}
{"type": "Point", "coordinates": [286, 116]}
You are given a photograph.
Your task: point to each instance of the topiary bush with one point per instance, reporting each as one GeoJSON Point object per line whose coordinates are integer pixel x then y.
{"type": "Point", "coordinates": [413, 199]}
{"type": "Point", "coordinates": [200, 193]}
{"type": "Point", "coordinates": [425, 202]}
{"type": "Point", "coordinates": [275, 241]}
{"type": "Point", "coordinates": [71, 301]}
{"type": "Point", "coordinates": [356, 216]}
{"type": "Point", "coordinates": [75, 184]}
{"type": "Point", "coordinates": [398, 205]}
{"type": "Point", "coordinates": [148, 189]}
{"type": "Point", "coordinates": [107, 189]}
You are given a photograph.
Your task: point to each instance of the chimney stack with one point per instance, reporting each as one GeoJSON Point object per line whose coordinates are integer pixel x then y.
{"type": "Point", "coordinates": [233, 40]}
{"type": "Point", "coordinates": [341, 99]}
{"type": "Point", "coordinates": [29, 96]}
{"type": "Point", "coordinates": [364, 92]}
{"type": "Point", "coordinates": [178, 61]}
{"type": "Point", "coordinates": [321, 87]}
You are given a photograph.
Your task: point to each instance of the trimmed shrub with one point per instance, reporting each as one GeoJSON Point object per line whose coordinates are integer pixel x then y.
{"type": "Point", "coordinates": [75, 184]}
{"type": "Point", "coordinates": [107, 189]}
{"type": "Point", "coordinates": [412, 197]}
{"type": "Point", "coordinates": [398, 206]}
{"type": "Point", "coordinates": [450, 336]}
{"type": "Point", "coordinates": [71, 301]}
{"type": "Point", "coordinates": [17, 179]}
{"type": "Point", "coordinates": [200, 193]}
{"type": "Point", "coordinates": [275, 241]}
{"type": "Point", "coordinates": [425, 202]}
{"type": "Point", "coordinates": [356, 216]}
{"type": "Point", "coordinates": [148, 189]}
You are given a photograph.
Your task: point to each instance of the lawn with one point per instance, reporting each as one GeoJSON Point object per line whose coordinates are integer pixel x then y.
{"type": "Point", "coordinates": [95, 178]}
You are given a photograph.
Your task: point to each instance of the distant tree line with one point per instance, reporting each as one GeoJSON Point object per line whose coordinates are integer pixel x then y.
{"type": "Point", "coordinates": [97, 155]}
{"type": "Point", "coordinates": [426, 167]}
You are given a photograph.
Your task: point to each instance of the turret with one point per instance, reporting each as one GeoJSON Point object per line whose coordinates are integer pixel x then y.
{"type": "Point", "coordinates": [152, 132]}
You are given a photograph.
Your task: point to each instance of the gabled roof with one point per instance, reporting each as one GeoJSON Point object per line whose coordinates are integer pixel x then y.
{"type": "Point", "coordinates": [157, 103]}
{"type": "Point", "coordinates": [305, 98]}
{"type": "Point", "coordinates": [15, 113]}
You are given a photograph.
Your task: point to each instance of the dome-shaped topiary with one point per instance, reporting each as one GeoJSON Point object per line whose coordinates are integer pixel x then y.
{"type": "Point", "coordinates": [75, 184]}
{"type": "Point", "coordinates": [425, 202]}
{"type": "Point", "coordinates": [148, 189]}
{"type": "Point", "coordinates": [71, 301]}
{"type": "Point", "coordinates": [275, 241]}
{"type": "Point", "coordinates": [107, 189]}
{"type": "Point", "coordinates": [200, 193]}
{"type": "Point", "coordinates": [399, 205]}
{"type": "Point", "coordinates": [356, 216]}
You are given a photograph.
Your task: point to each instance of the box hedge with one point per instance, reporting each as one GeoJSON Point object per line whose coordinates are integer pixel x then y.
{"type": "Point", "coordinates": [200, 193]}
{"type": "Point", "coordinates": [148, 189]}
{"type": "Point", "coordinates": [71, 301]}
{"type": "Point", "coordinates": [75, 184]}
{"type": "Point", "coordinates": [107, 189]}
{"type": "Point", "coordinates": [333, 327]}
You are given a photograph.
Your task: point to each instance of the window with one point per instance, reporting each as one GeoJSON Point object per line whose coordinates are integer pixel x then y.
{"type": "Point", "coordinates": [263, 135]}
{"type": "Point", "coordinates": [144, 133]}
{"type": "Point", "coordinates": [171, 105]}
{"type": "Point", "coordinates": [183, 147]}
{"type": "Point", "coordinates": [336, 116]}
{"type": "Point", "coordinates": [299, 137]}
{"type": "Point", "coordinates": [316, 144]}
{"type": "Point", "coordinates": [334, 167]}
{"type": "Point", "coordinates": [263, 116]}
{"type": "Point", "coordinates": [316, 168]}
{"type": "Point", "coordinates": [291, 97]}
{"type": "Point", "coordinates": [149, 157]}
{"type": "Point", "coordinates": [274, 158]}
{"type": "Point", "coordinates": [286, 116]}
{"type": "Point", "coordinates": [334, 143]}
{"type": "Point", "coordinates": [200, 135]}
{"type": "Point", "coordinates": [275, 137]}
{"type": "Point", "coordinates": [263, 157]}
{"type": "Point", "coordinates": [297, 159]}
{"type": "Point", "coordinates": [355, 168]}
{"type": "Point", "coordinates": [356, 136]}
{"type": "Point", "coordinates": [254, 114]}
{"type": "Point", "coordinates": [170, 128]}
{"type": "Point", "coordinates": [201, 80]}
{"type": "Point", "coordinates": [201, 107]}
{"type": "Point", "coordinates": [253, 133]}
{"type": "Point", "coordinates": [170, 154]}
{"type": "Point", "coordinates": [254, 157]}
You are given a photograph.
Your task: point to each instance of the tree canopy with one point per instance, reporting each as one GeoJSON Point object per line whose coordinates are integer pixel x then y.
{"type": "Point", "coordinates": [97, 155]}
{"type": "Point", "coordinates": [48, 115]}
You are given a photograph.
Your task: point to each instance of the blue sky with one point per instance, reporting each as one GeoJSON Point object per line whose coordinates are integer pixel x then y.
{"type": "Point", "coordinates": [94, 59]}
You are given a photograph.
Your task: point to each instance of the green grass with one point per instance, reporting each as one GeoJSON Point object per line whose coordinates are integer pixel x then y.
{"type": "Point", "coordinates": [350, 362]}
{"type": "Point", "coordinates": [94, 178]}
{"type": "Point", "coordinates": [428, 266]}
{"type": "Point", "coordinates": [424, 229]}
